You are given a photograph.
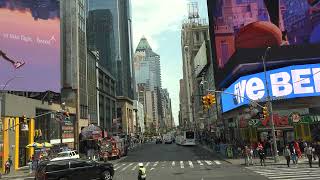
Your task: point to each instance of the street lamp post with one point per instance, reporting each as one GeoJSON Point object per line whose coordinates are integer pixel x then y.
{"type": "Point", "coordinates": [269, 101]}
{"type": "Point", "coordinates": [1, 93]}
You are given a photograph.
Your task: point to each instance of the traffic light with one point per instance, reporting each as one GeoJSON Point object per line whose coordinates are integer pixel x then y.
{"type": "Point", "coordinates": [205, 104]}
{"type": "Point", "coordinates": [211, 99]}
{"type": "Point", "coordinates": [265, 111]}
{"type": "Point", "coordinates": [24, 118]}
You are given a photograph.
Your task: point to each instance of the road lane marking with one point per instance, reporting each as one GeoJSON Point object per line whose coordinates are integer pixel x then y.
{"type": "Point", "coordinates": [217, 162]}
{"type": "Point", "coordinates": [126, 167]}
{"type": "Point", "coordinates": [119, 166]}
{"type": "Point", "coordinates": [201, 164]}
{"type": "Point", "coordinates": [208, 162]}
{"type": "Point", "coordinates": [181, 164]}
{"type": "Point", "coordinates": [134, 167]}
{"type": "Point", "coordinates": [156, 163]}
{"type": "Point", "coordinates": [147, 164]}
{"type": "Point", "coordinates": [190, 164]}
{"type": "Point", "coordinates": [173, 163]}
{"type": "Point", "coordinates": [152, 169]}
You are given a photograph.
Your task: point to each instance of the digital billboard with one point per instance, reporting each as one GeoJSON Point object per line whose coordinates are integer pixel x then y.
{"type": "Point", "coordinates": [241, 30]}
{"type": "Point", "coordinates": [288, 82]}
{"type": "Point", "coordinates": [30, 45]}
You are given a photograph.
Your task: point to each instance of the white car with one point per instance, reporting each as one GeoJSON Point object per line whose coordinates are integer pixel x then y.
{"type": "Point", "coordinates": [66, 155]}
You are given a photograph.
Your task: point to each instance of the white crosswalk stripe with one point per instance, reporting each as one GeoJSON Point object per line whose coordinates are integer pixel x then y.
{"type": "Point", "coordinates": [217, 162]}
{"type": "Point", "coordinates": [155, 164]}
{"type": "Point", "coordinates": [294, 173]}
{"type": "Point", "coordinates": [173, 163]}
{"type": "Point", "coordinates": [190, 164]}
{"type": "Point", "coordinates": [126, 167]}
{"type": "Point", "coordinates": [132, 166]}
{"type": "Point", "coordinates": [119, 166]}
{"type": "Point", "coordinates": [181, 164]}
{"type": "Point", "coordinates": [200, 163]}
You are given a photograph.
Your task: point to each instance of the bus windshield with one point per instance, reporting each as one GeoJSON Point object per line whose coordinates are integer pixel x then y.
{"type": "Point", "coordinates": [190, 135]}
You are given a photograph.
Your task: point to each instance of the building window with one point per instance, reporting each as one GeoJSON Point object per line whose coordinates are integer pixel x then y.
{"type": "Point", "coordinates": [197, 36]}
{"type": "Point", "coordinates": [224, 52]}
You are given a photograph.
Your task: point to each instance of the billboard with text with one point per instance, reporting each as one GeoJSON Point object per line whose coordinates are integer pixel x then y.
{"type": "Point", "coordinates": [241, 30]}
{"type": "Point", "coordinates": [285, 83]}
{"type": "Point", "coordinates": [30, 45]}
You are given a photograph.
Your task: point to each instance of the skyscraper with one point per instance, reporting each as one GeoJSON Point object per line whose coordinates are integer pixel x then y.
{"type": "Point", "coordinates": [109, 33]}
{"type": "Point", "coordinates": [148, 77]}
{"type": "Point", "coordinates": [115, 17]}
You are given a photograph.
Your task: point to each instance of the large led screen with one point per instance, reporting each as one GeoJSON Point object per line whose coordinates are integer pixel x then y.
{"type": "Point", "coordinates": [241, 30]}
{"type": "Point", "coordinates": [285, 83]}
{"type": "Point", "coordinates": [30, 45]}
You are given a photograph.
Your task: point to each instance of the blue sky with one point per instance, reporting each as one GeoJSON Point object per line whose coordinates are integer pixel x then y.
{"type": "Point", "coordinates": [160, 22]}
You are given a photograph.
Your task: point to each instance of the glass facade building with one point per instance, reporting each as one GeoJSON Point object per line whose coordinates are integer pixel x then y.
{"type": "Point", "coordinates": [110, 34]}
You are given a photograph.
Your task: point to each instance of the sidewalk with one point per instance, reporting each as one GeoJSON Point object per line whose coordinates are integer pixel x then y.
{"type": "Point", "coordinates": [20, 173]}
{"type": "Point", "coordinates": [256, 161]}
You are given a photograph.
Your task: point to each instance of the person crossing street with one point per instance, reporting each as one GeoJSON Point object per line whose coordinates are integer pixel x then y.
{"type": "Point", "coordinates": [308, 151]}
{"type": "Point", "coordinates": [142, 172]}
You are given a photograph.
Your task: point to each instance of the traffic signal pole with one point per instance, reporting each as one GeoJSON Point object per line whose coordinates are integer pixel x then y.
{"type": "Point", "coordinates": [273, 131]}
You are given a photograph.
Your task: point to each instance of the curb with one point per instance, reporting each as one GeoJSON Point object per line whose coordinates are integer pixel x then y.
{"type": "Point", "coordinates": [217, 154]}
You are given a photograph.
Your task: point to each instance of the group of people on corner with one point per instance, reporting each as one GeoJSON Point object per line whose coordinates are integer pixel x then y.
{"type": "Point", "coordinates": [292, 151]}
{"type": "Point", "coordinates": [249, 154]}
{"type": "Point", "coordinates": [311, 151]}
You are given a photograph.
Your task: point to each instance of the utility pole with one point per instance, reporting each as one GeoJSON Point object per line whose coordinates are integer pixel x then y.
{"type": "Point", "coordinates": [269, 102]}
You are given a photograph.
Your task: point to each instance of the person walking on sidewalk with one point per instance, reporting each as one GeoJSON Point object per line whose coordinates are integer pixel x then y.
{"type": "Point", "coordinates": [286, 154]}
{"type": "Point", "coordinates": [294, 156]}
{"type": "Point", "coordinates": [317, 152]}
{"type": "Point", "coordinates": [262, 156]}
{"type": "Point", "coordinates": [308, 151]}
{"type": "Point", "coordinates": [248, 155]}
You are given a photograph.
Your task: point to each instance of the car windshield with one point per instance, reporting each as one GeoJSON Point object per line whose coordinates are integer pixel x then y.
{"type": "Point", "coordinates": [63, 154]}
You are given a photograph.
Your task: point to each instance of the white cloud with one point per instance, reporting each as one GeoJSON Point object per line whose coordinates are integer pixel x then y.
{"type": "Point", "coordinates": [153, 17]}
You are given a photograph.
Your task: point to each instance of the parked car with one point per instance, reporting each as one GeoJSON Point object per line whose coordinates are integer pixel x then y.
{"type": "Point", "coordinates": [74, 169]}
{"type": "Point", "coordinates": [66, 155]}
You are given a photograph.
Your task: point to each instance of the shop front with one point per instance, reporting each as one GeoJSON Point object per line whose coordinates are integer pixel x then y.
{"type": "Point", "coordinates": [259, 130]}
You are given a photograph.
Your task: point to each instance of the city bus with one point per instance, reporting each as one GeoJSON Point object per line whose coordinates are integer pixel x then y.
{"type": "Point", "coordinates": [186, 138]}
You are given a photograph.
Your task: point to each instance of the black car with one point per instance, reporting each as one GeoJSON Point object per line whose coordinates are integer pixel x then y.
{"type": "Point", "coordinates": [74, 169]}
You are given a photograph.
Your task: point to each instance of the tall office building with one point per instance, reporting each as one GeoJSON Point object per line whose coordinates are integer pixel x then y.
{"type": "Point", "coordinates": [74, 60]}
{"type": "Point", "coordinates": [115, 17]}
{"type": "Point", "coordinates": [109, 33]}
{"type": "Point", "coordinates": [193, 33]}
{"type": "Point", "coordinates": [148, 77]}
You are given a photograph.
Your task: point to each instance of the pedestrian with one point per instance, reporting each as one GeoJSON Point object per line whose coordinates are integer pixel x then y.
{"type": "Point", "coordinates": [7, 167]}
{"type": "Point", "coordinates": [142, 175]}
{"type": "Point", "coordinates": [294, 156]}
{"type": "Point", "coordinates": [262, 156]}
{"type": "Point", "coordinates": [317, 151]}
{"type": "Point", "coordinates": [246, 153]}
{"type": "Point", "coordinates": [286, 154]}
{"type": "Point", "coordinates": [308, 151]}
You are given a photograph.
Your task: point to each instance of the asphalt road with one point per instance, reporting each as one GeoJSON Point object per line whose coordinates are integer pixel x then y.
{"type": "Point", "coordinates": [173, 162]}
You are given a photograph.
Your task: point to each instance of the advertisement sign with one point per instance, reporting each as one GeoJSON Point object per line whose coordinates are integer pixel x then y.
{"type": "Point", "coordinates": [30, 45]}
{"type": "Point", "coordinates": [289, 82]}
{"type": "Point", "coordinates": [241, 30]}
{"type": "Point", "coordinates": [201, 59]}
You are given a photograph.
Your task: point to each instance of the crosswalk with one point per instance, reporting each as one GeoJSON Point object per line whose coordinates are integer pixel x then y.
{"type": "Point", "coordinates": [133, 166]}
{"type": "Point", "coordinates": [284, 173]}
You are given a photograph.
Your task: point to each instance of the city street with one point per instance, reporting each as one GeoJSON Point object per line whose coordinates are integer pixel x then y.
{"type": "Point", "coordinates": [170, 161]}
